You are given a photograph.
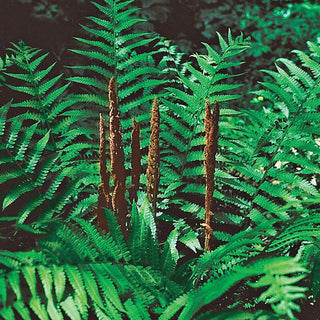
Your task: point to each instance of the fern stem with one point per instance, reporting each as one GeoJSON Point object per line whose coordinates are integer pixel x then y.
{"type": "Point", "coordinates": [119, 202]}
{"type": "Point", "coordinates": [153, 173]}
{"type": "Point", "coordinates": [135, 160]}
{"type": "Point", "coordinates": [211, 147]}
{"type": "Point", "coordinates": [104, 199]}
{"type": "Point", "coordinates": [104, 173]}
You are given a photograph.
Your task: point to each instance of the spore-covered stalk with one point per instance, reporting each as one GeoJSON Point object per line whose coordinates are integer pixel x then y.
{"type": "Point", "coordinates": [153, 173]}
{"type": "Point", "coordinates": [135, 160]}
{"type": "Point", "coordinates": [211, 132]}
{"type": "Point", "coordinates": [119, 202]}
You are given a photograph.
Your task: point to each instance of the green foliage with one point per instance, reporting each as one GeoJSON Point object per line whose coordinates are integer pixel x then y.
{"type": "Point", "coordinates": [77, 273]}
{"type": "Point", "coordinates": [37, 164]}
{"type": "Point", "coordinates": [286, 167]}
{"type": "Point", "coordinates": [266, 223]}
{"type": "Point", "coordinates": [114, 48]}
{"type": "Point", "coordinates": [280, 293]}
{"type": "Point", "coordinates": [182, 130]}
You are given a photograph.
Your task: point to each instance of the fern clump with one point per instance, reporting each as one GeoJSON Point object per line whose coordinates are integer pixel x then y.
{"type": "Point", "coordinates": [78, 273]}
{"type": "Point", "coordinates": [120, 248]}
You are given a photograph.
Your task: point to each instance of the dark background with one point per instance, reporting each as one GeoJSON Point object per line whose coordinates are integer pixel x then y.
{"type": "Point", "coordinates": [275, 27]}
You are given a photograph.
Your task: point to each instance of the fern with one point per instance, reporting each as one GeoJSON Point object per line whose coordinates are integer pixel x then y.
{"type": "Point", "coordinates": [273, 273]}
{"type": "Point", "coordinates": [42, 92]}
{"type": "Point", "coordinates": [266, 183]}
{"type": "Point", "coordinates": [285, 144]}
{"type": "Point", "coordinates": [78, 268]}
{"type": "Point", "coordinates": [145, 242]}
{"type": "Point", "coordinates": [38, 157]}
{"type": "Point", "coordinates": [281, 200]}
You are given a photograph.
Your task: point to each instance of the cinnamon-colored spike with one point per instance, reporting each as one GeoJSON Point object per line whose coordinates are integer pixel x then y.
{"type": "Point", "coordinates": [153, 170]}
{"type": "Point", "coordinates": [101, 219]}
{"type": "Point", "coordinates": [104, 173]}
{"type": "Point", "coordinates": [135, 160]}
{"type": "Point", "coordinates": [211, 132]}
{"type": "Point", "coordinates": [119, 202]}
{"type": "Point", "coordinates": [104, 199]}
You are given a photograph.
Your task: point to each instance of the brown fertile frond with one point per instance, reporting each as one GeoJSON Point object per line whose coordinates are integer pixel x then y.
{"type": "Point", "coordinates": [104, 173]}
{"type": "Point", "coordinates": [119, 202]}
{"type": "Point", "coordinates": [135, 160]}
{"type": "Point", "coordinates": [104, 199]}
{"type": "Point", "coordinates": [102, 203]}
{"type": "Point", "coordinates": [153, 170]}
{"type": "Point", "coordinates": [211, 132]}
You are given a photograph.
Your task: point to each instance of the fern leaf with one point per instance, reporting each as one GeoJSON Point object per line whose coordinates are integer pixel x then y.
{"type": "Point", "coordinates": [15, 129]}
{"type": "Point", "coordinates": [54, 311]}
{"type": "Point", "coordinates": [7, 313]}
{"type": "Point", "coordinates": [136, 310]}
{"type": "Point", "coordinates": [46, 280]}
{"type": "Point", "coordinates": [170, 253]}
{"type": "Point", "coordinates": [3, 291]}
{"type": "Point", "coordinates": [22, 310]}
{"type": "Point", "coordinates": [91, 286]}
{"type": "Point", "coordinates": [25, 143]}
{"type": "Point", "coordinates": [107, 286]}
{"type": "Point", "coordinates": [70, 308]}
{"type": "Point", "coordinates": [76, 281]}
{"type": "Point", "coordinates": [14, 281]}
{"type": "Point", "coordinates": [14, 194]}
{"type": "Point", "coordinates": [174, 307]}
{"type": "Point", "coordinates": [3, 115]}
{"type": "Point", "coordinates": [55, 94]}
{"type": "Point", "coordinates": [116, 233]}
{"type": "Point", "coordinates": [59, 279]}
{"type": "Point", "coordinates": [37, 152]}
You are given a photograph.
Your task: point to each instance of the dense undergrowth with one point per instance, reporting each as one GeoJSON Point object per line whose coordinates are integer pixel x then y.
{"type": "Point", "coordinates": [137, 188]}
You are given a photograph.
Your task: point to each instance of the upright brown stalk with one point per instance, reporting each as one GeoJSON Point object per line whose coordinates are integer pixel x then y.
{"type": "Point", "coordinates": [104, 199]}
{"type": "Point", "coordinates": [119, 202]}
{"type": "Point", "coordinates": [153, 172]}
{"type": "Point", "coordinates": [211, 131]}
{"type": "Point", "coordinates": [135, 160]}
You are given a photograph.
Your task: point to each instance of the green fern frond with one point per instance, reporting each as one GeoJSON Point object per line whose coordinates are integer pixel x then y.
{"type": "Point", "coordinates": [143, 240]}
{"type": "Point", "coordinates": [41, 157]}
